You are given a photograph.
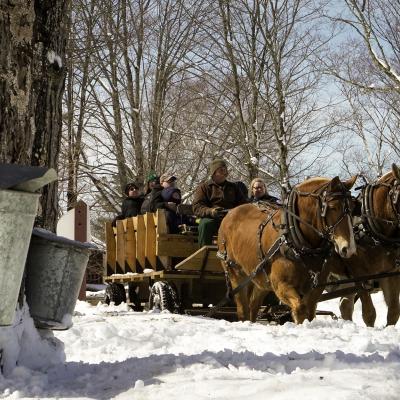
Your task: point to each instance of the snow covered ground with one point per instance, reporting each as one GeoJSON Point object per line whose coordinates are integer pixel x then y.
{"type": "Point", "coordinates": [111, 352]}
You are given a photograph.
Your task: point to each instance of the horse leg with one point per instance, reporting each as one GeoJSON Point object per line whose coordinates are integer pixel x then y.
{"type": "Point", "coordinates": [311, 300]}
{"type": "Point", "coordinates": [346, 307]}
{"type": "Point", "coordinates": [289, 295]}
{"type": "Point", "coordinates": [391, 289]}
{"type": "Point", "coordinates": [241, 298]}
{"type": "Point", "coordinates": [368, 309]}
{"type": "Point", "coordinates": [256, 299]}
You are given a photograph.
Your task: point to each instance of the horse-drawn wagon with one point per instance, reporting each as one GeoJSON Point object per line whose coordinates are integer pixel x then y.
{"type": "Point", "coordinates": [159, 269]}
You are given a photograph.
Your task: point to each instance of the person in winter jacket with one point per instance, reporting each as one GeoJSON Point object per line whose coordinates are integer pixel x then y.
{"type": "Point", "coordinates": [153, 199]}
{"type": "Point", "coordinates": [171, 196]}
{"type": "Point", "coordinates": [259, 191]}
{"type": "Point", "coordinates": [212, 198]}
{"type": "Point", "coordinates": [132, 202]}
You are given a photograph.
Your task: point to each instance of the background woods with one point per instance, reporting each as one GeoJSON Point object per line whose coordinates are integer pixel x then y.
{"type": "Point", "coordinates": [277, 88]}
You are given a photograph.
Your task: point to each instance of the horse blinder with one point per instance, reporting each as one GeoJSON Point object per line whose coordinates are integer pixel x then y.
{"type": "Point", "coordinates": [395, 193]}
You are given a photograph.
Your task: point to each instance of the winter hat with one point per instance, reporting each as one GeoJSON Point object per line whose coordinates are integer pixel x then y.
{"type": "Point", "coordinates": [152, 176]}
{"type": "Point", "coordinates": [215, 164]}
{"type": "Point", "coordinates": [131, 185]}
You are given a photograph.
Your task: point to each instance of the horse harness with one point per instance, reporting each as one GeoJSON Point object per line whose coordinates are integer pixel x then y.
{"type": "Point", "coordinates": [290, 220]}
{"type": "Point", "coordinates": [290, 238]}
{"type": "Point", "coordinates": [368, 233]}
{"type": "Point", "coordinates": [369, 220]}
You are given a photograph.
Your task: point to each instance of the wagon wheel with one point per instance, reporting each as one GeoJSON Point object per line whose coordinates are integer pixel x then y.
{"type": "Point", "coordinates": [115, 292]}
{"type": "Point", "coordinates": [163, 296]}
{"type": "Point", "coordinates": [134, 297]}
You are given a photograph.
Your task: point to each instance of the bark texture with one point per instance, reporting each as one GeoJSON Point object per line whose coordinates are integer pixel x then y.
{"type": "Point", "coordinates": [32, 75]}
{"type": "Point", "coordinates": [49, 38]}
{"type": "Point", "coordinates": [16, 106]}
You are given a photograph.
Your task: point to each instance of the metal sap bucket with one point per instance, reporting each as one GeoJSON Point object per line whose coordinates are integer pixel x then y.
{"type": "Point", "coordinates": [17, 215]}
{"type": "Point", "coordinates": [54, 274]}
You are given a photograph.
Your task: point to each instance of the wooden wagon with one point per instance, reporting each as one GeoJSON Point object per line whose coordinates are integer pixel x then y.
{"type": "Point", "coordinates": [159, 269]}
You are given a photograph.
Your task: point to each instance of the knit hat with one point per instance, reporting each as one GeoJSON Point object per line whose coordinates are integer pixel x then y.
{"type": "Point", "coordinates": [215, 164]}
{"type": "Point", "coordinates": [152, 176]}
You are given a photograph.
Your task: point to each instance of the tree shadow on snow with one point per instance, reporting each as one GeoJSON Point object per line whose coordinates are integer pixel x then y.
{"type": "Point", "coordinates": [106, 380]}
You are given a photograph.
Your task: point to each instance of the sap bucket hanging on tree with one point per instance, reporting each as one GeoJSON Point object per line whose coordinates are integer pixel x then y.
{"type": "Point", "coordinates": [18, 207]}
{"type": "Point", "coordinates": [54, 273]}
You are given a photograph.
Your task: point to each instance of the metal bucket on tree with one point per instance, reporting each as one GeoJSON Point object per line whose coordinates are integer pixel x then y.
{"type": "Point", "coordinates": [55, 269]}
{"type": "Point", "coordinates": [17, 215]}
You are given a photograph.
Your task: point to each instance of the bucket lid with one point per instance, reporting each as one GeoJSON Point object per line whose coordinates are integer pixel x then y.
{"type": "Point", "coordinates": [25, 178]}
{"type": "Point", "coordinates": [52, 237]}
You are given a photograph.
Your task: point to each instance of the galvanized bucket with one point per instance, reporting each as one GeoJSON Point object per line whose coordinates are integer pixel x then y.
{"type": "Point", "coordinates": [17, 214]}
{"type": "Point", "coordinates": [54, 274]}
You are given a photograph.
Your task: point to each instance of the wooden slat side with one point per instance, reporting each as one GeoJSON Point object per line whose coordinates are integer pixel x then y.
{"type": "Point", "coordinates": [150, 241]}
{"type": "Point", "coordinates": [161, 222]}
{"type": "Point", "coordinates": [140, 241]}
{"type": "Point", "coordinates": [130, 248]}
{"type": "Point", "coordinates": [110, 249]}
{"type": "Point", "coordinates": [120, 247]}
{"type": "Point", "coordinates": [162, 229]}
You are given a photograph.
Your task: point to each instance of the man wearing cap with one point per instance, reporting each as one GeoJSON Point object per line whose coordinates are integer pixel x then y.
{"type": "Point", "coordinates": [170, 193]}
{"type": "Point", "coordinates": [171, 196]}
{"type": "Point", "coordinates": [212, 198]}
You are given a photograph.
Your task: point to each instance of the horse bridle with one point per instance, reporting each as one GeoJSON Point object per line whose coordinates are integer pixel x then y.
{"type": "Point", "coordinates": [323, 196]}
{"type": "Point", "coordinates": [367, 210]}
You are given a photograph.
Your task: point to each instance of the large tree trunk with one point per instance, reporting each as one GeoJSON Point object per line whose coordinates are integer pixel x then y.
{"type": "Point", "coordinates": [49, 40]}
{"type": "Point", "coordinates": [32, 75]}
{"type": "Point", "coordinates": [16, 124]}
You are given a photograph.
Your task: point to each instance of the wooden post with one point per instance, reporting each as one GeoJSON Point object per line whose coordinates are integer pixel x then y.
{"type": "Point", "coordinates": [81, 229]}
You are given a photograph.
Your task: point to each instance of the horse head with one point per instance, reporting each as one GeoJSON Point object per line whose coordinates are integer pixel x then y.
{"type": "Point", "coordinates": [382, 205]}
{"type": "Point", "coordinates": [324, 208]}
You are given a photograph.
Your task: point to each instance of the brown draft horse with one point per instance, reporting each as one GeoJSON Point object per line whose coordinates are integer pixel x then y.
{"type": "Point", "coordinates": [320, 209]}
{"type": "Point", "coordinates": [378, 248]}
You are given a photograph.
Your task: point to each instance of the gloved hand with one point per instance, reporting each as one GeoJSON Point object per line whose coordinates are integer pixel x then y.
{"type": "Point", "coordinates": [218, 213]}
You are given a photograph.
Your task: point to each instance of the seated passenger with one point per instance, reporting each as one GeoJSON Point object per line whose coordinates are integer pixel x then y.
{"type": "Point", "coordinates": [153, 199]}
{"type": "Point", "coordinates": [131, 204]}
{"type": "Point", "coordinates": [171, 196]}
{"type": "Point", "coordinates": [259, 191]}
{"type": "Point", "coordinates": [170, 193]}
{"type": "Point", "coordinates": [213, 198]}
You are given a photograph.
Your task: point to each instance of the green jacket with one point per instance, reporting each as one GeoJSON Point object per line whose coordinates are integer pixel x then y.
{"type": "Point", "coordinates": [209, 195]}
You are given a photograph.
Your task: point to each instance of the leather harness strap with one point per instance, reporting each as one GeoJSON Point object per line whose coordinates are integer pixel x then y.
{"type": "Point", "coordinates": [260, 267]}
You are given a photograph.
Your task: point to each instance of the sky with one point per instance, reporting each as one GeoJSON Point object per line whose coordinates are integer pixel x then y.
{"type": "Point", "coordinates": [111, 352]}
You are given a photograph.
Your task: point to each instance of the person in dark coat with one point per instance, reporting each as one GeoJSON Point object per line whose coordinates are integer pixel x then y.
{"type": "Point", "coordinates": [153, 199]}
{"type": "Point", "coordinates": [171, 196]}
{"type": "Point", "coordinates": [259, 192]}
{"type": "Point", "coordinates": [213, 198]}
{"type": "Point", "coordinates": [131, 204]}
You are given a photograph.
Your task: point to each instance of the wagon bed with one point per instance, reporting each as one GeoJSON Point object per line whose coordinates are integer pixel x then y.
{"type": "Point", "coordinates": [141, 252]}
